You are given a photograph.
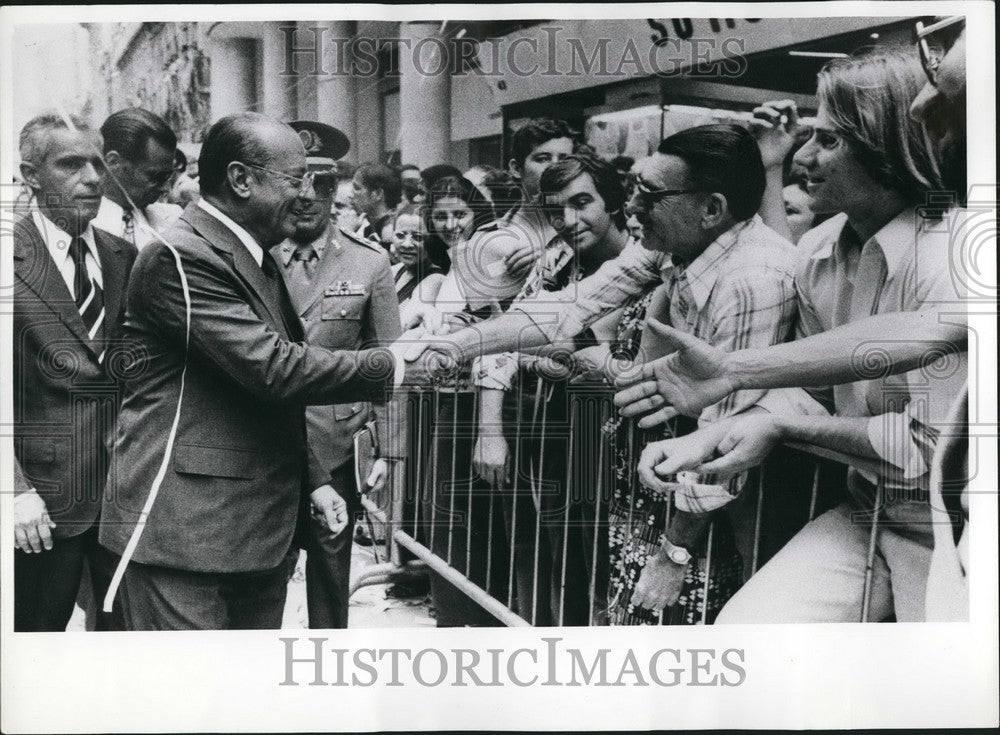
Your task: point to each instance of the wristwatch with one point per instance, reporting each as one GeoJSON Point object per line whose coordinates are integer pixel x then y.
{"type": "Point", "coordinates": [677, 554]}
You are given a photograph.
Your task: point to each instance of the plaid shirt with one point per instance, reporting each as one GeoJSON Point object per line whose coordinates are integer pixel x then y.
{"type": "Point", "coordinates": [738, 294]}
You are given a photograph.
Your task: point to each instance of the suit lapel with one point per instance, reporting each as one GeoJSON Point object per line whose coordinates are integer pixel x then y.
{"type": "Point", "coordinates": [225, 241]}
{"type": "Point", "coordinates": [113, 272]}
{"type": "Point", "coordinates": [35, 269]}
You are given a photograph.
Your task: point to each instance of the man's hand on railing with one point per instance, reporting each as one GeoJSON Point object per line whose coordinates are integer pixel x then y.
{"type": "Point", "coordinates": [690, 378]}
{"type": "Point", "coordinates": [491, 459]}
{"type": "Point", "coordinates": [659, 583]}
{"type": "Point", "coordinates": [377, 477]}
{"type": "Point", "coordinates": [667, 457]}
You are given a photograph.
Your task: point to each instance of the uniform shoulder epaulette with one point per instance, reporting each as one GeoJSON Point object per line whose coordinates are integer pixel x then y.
{"type": "Point", "coordinates": [362, 241]}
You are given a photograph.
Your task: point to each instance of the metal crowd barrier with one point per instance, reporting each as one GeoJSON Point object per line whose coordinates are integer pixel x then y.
{"type": "Point", "coordinates": [444, 520]}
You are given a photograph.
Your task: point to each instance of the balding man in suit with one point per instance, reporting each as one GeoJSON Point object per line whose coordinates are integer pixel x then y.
{"type": "Point", "coordinates": [218, 417]}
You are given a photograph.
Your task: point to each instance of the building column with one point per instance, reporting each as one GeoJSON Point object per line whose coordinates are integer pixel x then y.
{"type": "Point", "coordinates": [278, 90]}
{"type": "Point", "coordinates": [233, 83]}
{"type": "Point", "coordinates": [424, 95]}
{"type": "Point", "coordinates": [336, 88]}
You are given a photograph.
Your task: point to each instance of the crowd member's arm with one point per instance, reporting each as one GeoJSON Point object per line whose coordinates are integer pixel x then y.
{"type": "Point", "coordinates": [558, 316]}
{"type": "Point", "coordinates": [777, 120]}
{"type": "Point", "coordinates": [740, 442]}
{"type": "Point", "coordinates": [697, 374]}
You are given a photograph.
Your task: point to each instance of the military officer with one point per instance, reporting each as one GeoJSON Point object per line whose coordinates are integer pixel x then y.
{"type": "Point", "coordinates": [342, 288]}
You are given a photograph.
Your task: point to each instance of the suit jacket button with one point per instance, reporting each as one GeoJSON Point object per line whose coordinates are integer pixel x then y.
{"type": "Point", "coordinates": [343, 312]}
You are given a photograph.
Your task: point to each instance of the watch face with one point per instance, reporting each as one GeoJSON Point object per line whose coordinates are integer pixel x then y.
{"type": "Point", "coordinates": [679, 556]}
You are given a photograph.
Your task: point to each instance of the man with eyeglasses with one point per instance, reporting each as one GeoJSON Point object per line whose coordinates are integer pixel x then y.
{"type": "Point", "coordinates": [139, 150]}
{"type": "Point", "coordinates": [215, 419]}
{"type": "Point", "coordinates": [342, 289]}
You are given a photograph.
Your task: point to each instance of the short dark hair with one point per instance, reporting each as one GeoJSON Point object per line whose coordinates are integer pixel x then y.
{"type": "Point", "coordinates": [233, 138]}
{"type": "Point", "coordinates": [379, 176]}
{"type": "Point", "coordinates": [438, 171]}
{"type": "Point", "coordinates": [533, 133]}
{"type": "Point", "coordinates": [722, 159]}
{"type": "Point", "coordinates": [127, 131]}
{"type": "Point", "coordinates": [605, 177]}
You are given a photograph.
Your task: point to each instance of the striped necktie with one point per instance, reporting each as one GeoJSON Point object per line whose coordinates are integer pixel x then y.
{"type": "Point", "coordinates": [89, 297]}
{"type": "Point", "coordinates": [128, 225]}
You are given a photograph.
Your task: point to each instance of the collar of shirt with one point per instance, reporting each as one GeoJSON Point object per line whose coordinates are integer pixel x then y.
{"type": "Point", "coordinates": [57, 241]}
{"type": "Point", "coordinates": [110, 218]}
{"type": "Point", "coordinates": [702, 273]}
{"type": "Point", "coordinates": [896, 239]}
{"type": "Point", "coordinates": [288, 247]}
{"type": "Point", "coordinates": [245, 237]}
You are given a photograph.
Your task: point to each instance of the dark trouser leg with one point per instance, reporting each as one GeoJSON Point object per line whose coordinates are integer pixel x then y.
{"type": "Point", "coordinates": [99, 569]}
{"type": "Point", "coordinates": [328, 560]}
{"type": "Point", "coordinates": [158, 598]}
{"type": "Point", "coordinates": [45, 585]}
{"type": "Point", "coordinates": [256, 601]}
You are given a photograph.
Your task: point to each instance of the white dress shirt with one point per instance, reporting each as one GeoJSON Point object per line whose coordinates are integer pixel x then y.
{"type": "Point", "coordinates": [146, 224]}
{"type": "Point", "coordinates": [57, 242]}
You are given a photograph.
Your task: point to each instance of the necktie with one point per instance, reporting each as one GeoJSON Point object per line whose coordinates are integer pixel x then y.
{"type": "Point", "coordinates": [128, 225]}
{"type": "Point", "coordinates": [279, 296]}
{"type": "Point", "coordinates": [88, 295]}
{"type": "Point", "coordinates": [306, 259]}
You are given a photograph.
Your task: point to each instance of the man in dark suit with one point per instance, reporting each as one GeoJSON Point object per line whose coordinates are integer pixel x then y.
{"type": "Point", "coordinates": [70, 280]}
{"type": "Point", "coordinates": [342, 289]}
{"type": "Point", "coordinates": [217, 421]}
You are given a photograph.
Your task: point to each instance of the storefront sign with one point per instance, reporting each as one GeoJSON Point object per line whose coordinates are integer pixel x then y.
{"type": "Point", "coordinates": [563, 56]}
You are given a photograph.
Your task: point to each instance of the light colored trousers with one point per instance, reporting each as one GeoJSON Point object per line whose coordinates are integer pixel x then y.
{"type": "Point", "coordinates": [818, 577]}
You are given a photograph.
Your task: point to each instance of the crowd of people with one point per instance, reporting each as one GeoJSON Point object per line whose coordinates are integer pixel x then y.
{"type": "Point", "coordinates": [215, 365]}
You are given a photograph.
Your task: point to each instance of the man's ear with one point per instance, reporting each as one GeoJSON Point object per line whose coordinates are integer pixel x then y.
{"type": "Point", "coordinates": [715, 211]}
{"type": "Point", "coordinates": [238, 177]}
{"type": "Point", "coordinates": [514, 169]}
{"type": "Point", "coordinates": [113, 159]}
{"type": "Point", "coordinates": [29, 173]}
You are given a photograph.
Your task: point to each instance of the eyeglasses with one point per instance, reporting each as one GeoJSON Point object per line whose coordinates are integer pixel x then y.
{"type": "Point", "coordinates": [416, 237]}
{"type": "Point", "coordinates": [932, 54]}
{"type": "Point", "coordinates": [649, 196]}
{"type": "Point", "coordinates": [302, 183]}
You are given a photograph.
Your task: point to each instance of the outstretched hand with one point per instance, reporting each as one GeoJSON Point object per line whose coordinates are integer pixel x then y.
{"type": "Point", "coordinates": [686, 381]}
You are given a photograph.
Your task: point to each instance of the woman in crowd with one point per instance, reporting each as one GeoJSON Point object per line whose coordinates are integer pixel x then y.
{"type": "Point", "coordinates": [458, 513]}
{"type": "Point", "coordinates": [419, 272]}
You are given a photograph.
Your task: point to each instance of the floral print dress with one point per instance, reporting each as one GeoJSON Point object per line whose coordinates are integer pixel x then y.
{"type": "Point", "coordinates": [638, 517]}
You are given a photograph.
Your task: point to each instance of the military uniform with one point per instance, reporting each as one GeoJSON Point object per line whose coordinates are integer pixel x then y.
{"type": "Point", "coordinates": [349, 301]}
{"type": "Point", "coordinates": [342, 290]}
